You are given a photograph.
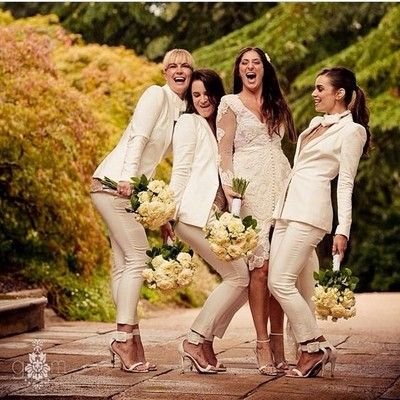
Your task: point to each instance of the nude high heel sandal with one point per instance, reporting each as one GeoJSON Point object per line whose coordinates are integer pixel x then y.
{"type": "Point", "coordinates": [331, 356]}
{"type": "Point", "coordinates": [283, 365]}
{"type": "Point", "coordinates": [266, 369]}
{"type": "Point", "coordinates": [150, 367]}
{"type": "Point", "coordinates": [123, 337]}
{"type": "Point", "coordinates": [194, 363]}
{"type": "Point", "coordinates": [313, 347]}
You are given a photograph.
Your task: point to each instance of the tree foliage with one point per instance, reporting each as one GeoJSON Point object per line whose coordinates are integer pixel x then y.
{"type": "Point", "coordinates": [48, 148]}
{"type": "Point", "coordinates": [149, 28]}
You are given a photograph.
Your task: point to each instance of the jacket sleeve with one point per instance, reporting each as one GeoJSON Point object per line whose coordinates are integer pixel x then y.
{"type": "Point", "coordinates": [351, 150]}
{"type": "Point", "coordinates": [140, 128]}
{"type": "Point", "coordinates": [183, 149]}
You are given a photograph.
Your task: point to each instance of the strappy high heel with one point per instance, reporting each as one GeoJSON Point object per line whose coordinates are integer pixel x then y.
{"type": "Point", "coordinates": [150, 367]}
{"type": "Point", "coordinates": [267, 369]}
{"type": "Point", "coordinates": [121, 336]}
{"type": "Point", "coordinates": [201, 370]}
{"type": "Point", "coordinates": [313, 347]}
{"type": "Point", "coordinates": [331, 356]}
{"type": "Point", "coordinates": [283, 365]}
{"type": "Point", "coordinates": [219, 366]}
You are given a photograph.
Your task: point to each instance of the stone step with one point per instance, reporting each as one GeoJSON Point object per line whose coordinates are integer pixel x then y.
{"type": "Point", "coordinates": [20, 314]}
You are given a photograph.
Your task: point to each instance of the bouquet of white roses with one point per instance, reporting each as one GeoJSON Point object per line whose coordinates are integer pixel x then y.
{"type": "Point", "coordinates": [230, 237]}
{"type": "Point", "coordinates": [333, 294]}
{"type": "Point", "coordinates": [152, 202]}
{"type": "Point", "coordinates": [170, 267]}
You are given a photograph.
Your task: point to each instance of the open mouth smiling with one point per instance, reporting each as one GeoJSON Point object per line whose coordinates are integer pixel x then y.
{"type": "Point", "coordinates": [179, 79]}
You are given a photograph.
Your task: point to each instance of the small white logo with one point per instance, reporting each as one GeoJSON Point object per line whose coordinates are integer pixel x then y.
{"type": "Point", "coordinates": [37, 369]}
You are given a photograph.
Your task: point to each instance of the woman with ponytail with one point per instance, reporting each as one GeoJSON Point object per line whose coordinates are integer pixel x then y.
{"type": "Point", "coordinates": [331, 146]}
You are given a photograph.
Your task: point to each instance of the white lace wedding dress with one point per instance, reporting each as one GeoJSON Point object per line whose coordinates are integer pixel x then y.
{"type": "Point", "coordinates": [247, 150]}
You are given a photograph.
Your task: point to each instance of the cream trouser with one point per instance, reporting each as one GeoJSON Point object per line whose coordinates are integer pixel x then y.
{"type": "Point", "coordinates": [227, 297]}
{"type": "Point", "coordinates": [290, 280]}
{"type": "Point", "coordinates": [129, 244]}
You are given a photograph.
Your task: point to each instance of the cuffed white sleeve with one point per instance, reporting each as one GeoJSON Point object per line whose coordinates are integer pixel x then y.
{"type": "Point", "coordinates": [351, 151]}
{"type": "Point", "coordinates": [140, 128]}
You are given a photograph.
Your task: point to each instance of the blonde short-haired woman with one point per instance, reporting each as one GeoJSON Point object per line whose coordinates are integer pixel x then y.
{"type": "Point", "coordinates": [142, 146]}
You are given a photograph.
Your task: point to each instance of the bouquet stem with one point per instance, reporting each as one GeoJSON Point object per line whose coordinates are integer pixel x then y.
{"type": "Point", "coordinates": [236, 205]}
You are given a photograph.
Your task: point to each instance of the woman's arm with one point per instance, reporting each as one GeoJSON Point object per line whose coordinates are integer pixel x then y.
{"type": "Point", "coordinates": [351, 151]}
{"type": "Point", "coordinates": [183, 148]}
{"type": "Point", "coordinates": [226, 129]}
{"type": "Point", "coordinates": [147, 112]}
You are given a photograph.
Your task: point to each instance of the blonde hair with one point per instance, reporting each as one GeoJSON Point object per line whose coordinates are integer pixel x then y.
{"type": "Point", "coordinates": [174, 54]}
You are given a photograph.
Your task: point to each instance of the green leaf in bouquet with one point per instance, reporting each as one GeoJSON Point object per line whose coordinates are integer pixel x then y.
{"type": "Point", "coordinates": [249, 221]}
{"type": "Point", "coordinates": [140, 184]}
{"type": "Point", "coordinates": [135, 203]}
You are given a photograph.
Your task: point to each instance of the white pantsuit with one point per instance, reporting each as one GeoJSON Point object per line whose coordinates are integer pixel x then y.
{"type": "Point", "coordinates": [194, 183]}
{"type": "Point", "coordinates": [143, 145]}
{"type": "Point", "coordinates": [304, 213]}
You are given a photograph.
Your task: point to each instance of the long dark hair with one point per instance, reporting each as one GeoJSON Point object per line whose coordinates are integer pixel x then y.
{"type": "Point", "coordinates": [214, 87]}
{"type": "Point", "coordinates": [274, 107]}
{"type": "Point", "coordinates": [354, 96]}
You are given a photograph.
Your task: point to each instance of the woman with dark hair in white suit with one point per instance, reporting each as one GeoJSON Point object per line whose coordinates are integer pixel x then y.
{"type": "Point", "coordinates": [330, 147]}
{"type": "Point", "coordinates": [198, 194]}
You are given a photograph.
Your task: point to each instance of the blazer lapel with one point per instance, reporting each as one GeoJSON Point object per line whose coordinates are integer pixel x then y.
{"type": "Point", "coordinates": [329, 132]}
{"type": "Point", "coordinates": [210, 135]}
{"type": "Point", "coordinates": [301, 137]}
{"type": "Point", "coordinates": [171, 101]}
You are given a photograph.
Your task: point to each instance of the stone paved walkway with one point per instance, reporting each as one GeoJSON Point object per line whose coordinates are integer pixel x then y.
{"type": "Point", "coordinates": [368, 365]}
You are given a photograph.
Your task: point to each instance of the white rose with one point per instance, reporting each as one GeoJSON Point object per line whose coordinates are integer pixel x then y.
{"type": "Point", "coordinates": [184, 258]}
{"type": "Point", "coordinates": [148, 275]}
{"type": "Point", "coordinates": [225, 218]}
{"type": "Point", "coordinates": [157, 261]}
{"type": "Point", "coordinates": [156, 186]}
{"type": "Point", "coordinates": [144, 196]}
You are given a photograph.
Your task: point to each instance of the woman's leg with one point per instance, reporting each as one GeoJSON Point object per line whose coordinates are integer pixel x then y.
{"type": "Point", "coordinates": [276, 334]}
{"type": "Point", "coordinates": [224, 301]}
{"type": "Point", "coordinates": [292, 246]}
{"type": "Point", "coordinates": [259, 307]}
{"type": "Point", "coordinates": [129, 245]}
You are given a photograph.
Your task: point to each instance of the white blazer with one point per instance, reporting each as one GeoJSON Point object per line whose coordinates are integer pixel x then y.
{"type": "Point", "coordinates": [307, 193]}
{"type": "Point", "coordinates": [194, 180]}
{"type": "Point", "coordinates": [147, 138]}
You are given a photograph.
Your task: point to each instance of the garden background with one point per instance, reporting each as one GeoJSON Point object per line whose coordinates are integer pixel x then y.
{"type": "Point", "coordinates": [70, 76]}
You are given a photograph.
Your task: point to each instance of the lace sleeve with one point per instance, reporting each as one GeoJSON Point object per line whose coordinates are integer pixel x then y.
{"type": "Point", "coordinates": [226, 129]}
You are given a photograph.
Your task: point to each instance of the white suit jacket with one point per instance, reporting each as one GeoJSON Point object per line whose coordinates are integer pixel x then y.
{"type": "Point", "coordinates": [147, 138]}
{"type": "Point", "coordinates": [307, 194]}
{"type": "Point", "coordinates": [194, 180]}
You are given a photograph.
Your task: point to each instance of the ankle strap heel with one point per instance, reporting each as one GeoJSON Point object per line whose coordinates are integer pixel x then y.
{"type": "Point", "coordinates": [331, 356]}
{"type": "Point", "coordinates": [121, 336]}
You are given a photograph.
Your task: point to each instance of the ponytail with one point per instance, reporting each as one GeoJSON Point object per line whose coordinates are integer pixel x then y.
{"type": "Point", "coordinates": [360, 113]}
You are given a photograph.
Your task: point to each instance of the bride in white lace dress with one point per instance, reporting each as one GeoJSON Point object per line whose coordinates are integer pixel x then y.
{"type": "Point", "coordinates": [250, 126]}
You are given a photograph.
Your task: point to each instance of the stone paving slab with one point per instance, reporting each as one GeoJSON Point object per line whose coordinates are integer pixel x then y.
{"type": "Point", "coordinates": [129, 395]}
{"type": "Point", "coordinates": [393, 392]}
{"type": "Point", "coordinates": [368, 365]}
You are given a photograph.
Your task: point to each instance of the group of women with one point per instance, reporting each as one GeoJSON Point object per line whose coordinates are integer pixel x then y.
{"type": "Point", "coordinates": [216, 137]}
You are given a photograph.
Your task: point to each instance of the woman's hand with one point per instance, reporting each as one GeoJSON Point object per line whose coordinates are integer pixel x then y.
{"type": "Point", "coordinates": [230, 194]}
{"type": "Point", "coordinates": [339, 245]}
{"type": "Point", "coordinates": [124, 189]}
{"type": "Point", "coordinates": [167, 232]}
